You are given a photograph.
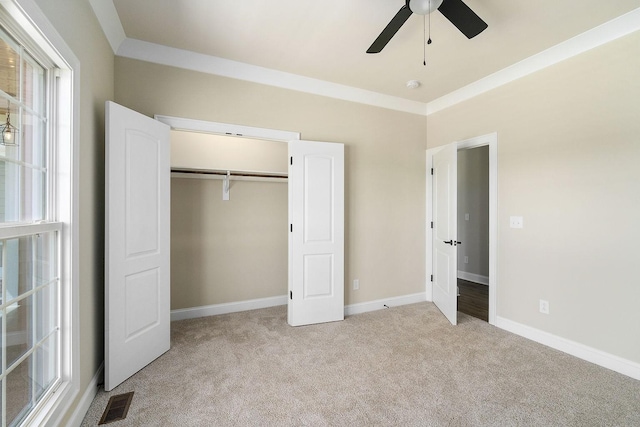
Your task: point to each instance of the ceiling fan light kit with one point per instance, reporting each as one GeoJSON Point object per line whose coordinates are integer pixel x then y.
{"type": "Point", "coordinates": [456, 11]}
{"type": "Point", "coordinates": [424, 7]}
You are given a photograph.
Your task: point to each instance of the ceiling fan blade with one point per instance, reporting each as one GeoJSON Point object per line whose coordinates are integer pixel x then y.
{"type": "Point", "coordinates": [391, 29]}
{"type": "Point", "coordinates": [462, 17]}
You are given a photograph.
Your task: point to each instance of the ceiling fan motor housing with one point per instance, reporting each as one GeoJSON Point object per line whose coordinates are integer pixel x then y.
{"type": "Point", "coordinates": [456, 11]}
{"type": "Point", "coordinates": [424, 7]}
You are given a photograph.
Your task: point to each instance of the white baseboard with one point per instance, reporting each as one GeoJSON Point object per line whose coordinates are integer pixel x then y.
{"type": "Point", "coordinates": [231, 307]}
{"type": "Point", "coordinates": [364, 307]}
{"type": "Point", "coordinates": [590, 354]}
{"type": "Point", "coordinates": [86, 400]}
{"type": "Point", "coordinates": [472, 277]}
{"type": "Point", "coordinates": [429, 291]}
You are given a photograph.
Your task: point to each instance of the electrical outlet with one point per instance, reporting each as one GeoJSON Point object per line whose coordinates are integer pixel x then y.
{"type": "Point", "coordinates": [466, 260]}
{"type": "Point", "coordinates": [516, 222]}
{"type": "Point", "coordinates": [356, 284]}
{"type": "Point", "coordinates": [544, 306]}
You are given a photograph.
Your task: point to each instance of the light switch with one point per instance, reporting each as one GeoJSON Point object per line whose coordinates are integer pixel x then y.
{"type": "Point", "coordinates": [466, 217]}
{"type": "Point", "coordinates": [516, 222]}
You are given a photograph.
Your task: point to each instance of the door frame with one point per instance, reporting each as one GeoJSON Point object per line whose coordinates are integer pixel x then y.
{"type": "Point", "coordinates": [227, 129]}
{"type": "Point", "coordinates": [490, 140]}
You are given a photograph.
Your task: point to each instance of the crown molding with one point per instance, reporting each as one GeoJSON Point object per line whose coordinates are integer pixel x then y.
{"type": "Point", "coordinates": [602, 34]}
{"type": "Point", "coordinates": [109, 20]}
{"type": "Point", "coordinates": [164, 55]}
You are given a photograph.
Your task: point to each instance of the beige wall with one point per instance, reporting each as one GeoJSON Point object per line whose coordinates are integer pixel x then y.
{"type": "Point", "coordinates": [568, 162]}
{"type": "Point", "coordinates": [568, 156]}
{"type": "Point", "coordinates": [227, 251]}
{"type": "Point", "coordinates": [233, 250]}
{"type": "Point", "coordinates": [473, 199]}
{"type": "Point", "coordinates": [192, 150]}
{"type": "Point", "coordinates": [77, 24]}
{"type": "Point", "coordinates": [384, 161]}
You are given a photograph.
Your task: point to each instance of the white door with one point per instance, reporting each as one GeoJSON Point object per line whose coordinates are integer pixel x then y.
{"type": "Point", "coordinates": [136, 242]}
{"type": "Point", "coordinates": [445, 202]}
{"type": "Point", "coordinates": [316, 232]}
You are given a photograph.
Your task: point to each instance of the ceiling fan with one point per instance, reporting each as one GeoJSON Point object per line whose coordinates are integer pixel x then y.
{"type": "Point", "coordinates": [455, 11]}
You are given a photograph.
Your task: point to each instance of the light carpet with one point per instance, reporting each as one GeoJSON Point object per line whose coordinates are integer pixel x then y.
{"type": "Point", "coordinates": [402, 366]}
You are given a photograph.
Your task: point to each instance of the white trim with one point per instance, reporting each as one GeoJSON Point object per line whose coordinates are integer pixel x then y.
{"type": "Point", "coordinates": [164, 55]}
{"type": "Point", "coordinates": [581, 351]}
{"type": "Point", "coordinates": [109, 20]}
{"type": "Point", "coordinates": [472, 277]}
{"type": "Point", "coordinates": [36, 25]}
{"type": "Point", "coordinates": [150, 52]}
{"type": "Point", "coordinates": [428, 260]}
{"type": "Point", "coordinates": [87, 398]}
{"type": "Point", "coordinates": [230, 307]}
{"type": "Point", "coordinates": [247, 131]}
{"type": "Point", "coordinates": [609, 31]}
{"type": "Point", "coordinates": [492, 141]}
{"type": "Point", "coordinates": [12, 232]}
{"type": "Point", "coordinates": [24, 164]}
{"type": "Point", "coordinates": [379, 304]}
{"type": "Point", "coordinates": [234, 307]}
{"type": "Point", "coordinates": [192, 125]}
{"type": "Point", "coordinates": [29, 15]}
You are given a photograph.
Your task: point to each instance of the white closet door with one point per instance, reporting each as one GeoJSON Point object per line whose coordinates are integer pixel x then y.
{"type": "Point", "coordinates": [137, 328]}
{"type": "Point", "coordinates": [445, 260]}
{"type": "Point", "coordinates": [316, 235]}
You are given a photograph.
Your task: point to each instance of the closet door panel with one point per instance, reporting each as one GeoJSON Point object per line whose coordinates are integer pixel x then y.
{"type": "Point", "coordinates": [137, 236]}
{"type": "Point", "coordinates": [316, 241]}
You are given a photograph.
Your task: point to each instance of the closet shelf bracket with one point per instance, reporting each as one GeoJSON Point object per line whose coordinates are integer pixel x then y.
{"type": "Point", "coordinates": [225, 186]}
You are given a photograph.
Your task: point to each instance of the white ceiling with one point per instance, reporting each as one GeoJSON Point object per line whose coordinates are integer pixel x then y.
{"type": "Point", "coordinates": [328, 39]}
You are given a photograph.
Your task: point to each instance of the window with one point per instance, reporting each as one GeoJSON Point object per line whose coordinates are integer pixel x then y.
{"type": "Point", "coordinates": [36, 293]}
{"type": "Point", "coordinates": [29, 237]}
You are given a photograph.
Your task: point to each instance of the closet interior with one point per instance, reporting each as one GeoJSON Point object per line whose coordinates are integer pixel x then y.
{"type": "Point", "coordinates": [229, 219]}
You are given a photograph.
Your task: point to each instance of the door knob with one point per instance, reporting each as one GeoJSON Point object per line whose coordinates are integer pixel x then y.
{"type": "Point", "coordinates": [449, 242]}
{"type": "Point", "coordinates": [457, 243]}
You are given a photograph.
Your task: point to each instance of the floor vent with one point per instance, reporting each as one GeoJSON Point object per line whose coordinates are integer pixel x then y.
{"type": "Point", "coordinates": [117, 408]}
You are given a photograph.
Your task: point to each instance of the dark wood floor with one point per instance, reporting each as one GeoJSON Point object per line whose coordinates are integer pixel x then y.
{"type": "Point", "coordinates": [473, 299]}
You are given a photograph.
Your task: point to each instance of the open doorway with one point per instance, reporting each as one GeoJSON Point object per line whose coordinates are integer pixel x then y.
{"type": "Point", "coordinates": [442, 219]}
{"type": "Point", "coordinates": [473, 232]}
{"type": "Point", "coordinates": [228, 232]}
{"type": "Point", "coordinates": [205, 240]}
{"type": "Point", "coordinates": [315, 229]}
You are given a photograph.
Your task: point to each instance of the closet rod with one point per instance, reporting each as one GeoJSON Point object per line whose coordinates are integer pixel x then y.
{"type": "Point", "coordinates": [232, 173]}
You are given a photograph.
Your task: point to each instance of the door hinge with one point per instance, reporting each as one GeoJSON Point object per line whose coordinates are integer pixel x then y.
{"type": "Point", "coordinates": [291, 227]}
{"type": "Point", "coordinates": [291, 160]}
{"type": "Point", "coordinates": [432, 277]}
{"type": "Point", "coordinates": [431, 171]}
{"type": "Point", "coordinates": [431, 224]}
{"type": "Point", "coordinates": [290, 294]}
